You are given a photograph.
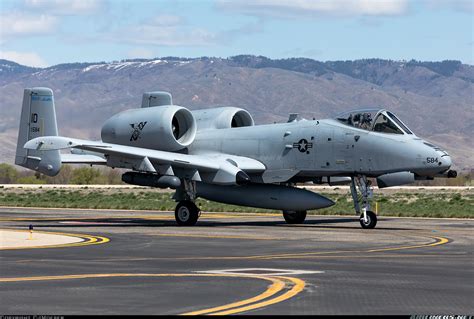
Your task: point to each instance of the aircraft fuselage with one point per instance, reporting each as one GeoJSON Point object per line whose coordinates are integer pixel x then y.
{"type": "Point", "coordinates": [324, 147]}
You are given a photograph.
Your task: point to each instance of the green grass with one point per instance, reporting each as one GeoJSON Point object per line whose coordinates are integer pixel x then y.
{"type": "Point", "coordinates": [422, 204]}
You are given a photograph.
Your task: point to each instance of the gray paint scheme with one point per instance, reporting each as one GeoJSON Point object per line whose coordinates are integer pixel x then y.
{"type": "Point", "coordinates": [222, 117]}
{"type": "Point", "coordinates": [151, 128]}
{"type": "Point", "coordinates": [157, 98]}
{"type": "Point", "coordinates": [264, 196]}
{"type": "Point", "coordinates": [399, 178]}
{"type": "Point", "coordinates": [213, 150]}
{"type": "Point", "coordinates": [335, 150]}
{"type": "Point", "coordinates": [38, 118]}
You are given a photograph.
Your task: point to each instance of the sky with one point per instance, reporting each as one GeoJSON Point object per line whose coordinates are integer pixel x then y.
{"type": "Point", "coordinates": [42, 33]}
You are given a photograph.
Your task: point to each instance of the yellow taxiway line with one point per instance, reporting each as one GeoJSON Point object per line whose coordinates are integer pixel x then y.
{"type": "Point", "coordinates": [438, 241]}
{"type": "Point", "coordinates": [278, 284]}
{"type": "Point", "coordinates": [298, 286]}
{"type": "Point", "coordinates": [276, 287]}
{"type": "Point", "coordinates": [86, 240]}
{"type": "Point", "coordinates": [217, 236]}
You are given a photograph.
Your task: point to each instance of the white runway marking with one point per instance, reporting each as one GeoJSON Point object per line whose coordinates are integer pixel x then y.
{"type": "Point", "coordinates": [261, 271]}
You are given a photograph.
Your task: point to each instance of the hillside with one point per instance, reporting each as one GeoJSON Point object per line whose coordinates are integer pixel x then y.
{"type": "Point", "coordinates": [435, 99]}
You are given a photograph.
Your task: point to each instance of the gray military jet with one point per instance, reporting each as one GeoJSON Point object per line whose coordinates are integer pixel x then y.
{"type": "Point", "coordinates": [219, 154]}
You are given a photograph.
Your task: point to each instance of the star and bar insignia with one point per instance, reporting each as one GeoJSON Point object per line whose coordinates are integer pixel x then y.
{"type": "Point", "coordinates": [303, 145]}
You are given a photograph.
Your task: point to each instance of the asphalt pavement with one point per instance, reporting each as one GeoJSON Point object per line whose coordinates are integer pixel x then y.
{"type": "Point", "coordinates": [132, 262]}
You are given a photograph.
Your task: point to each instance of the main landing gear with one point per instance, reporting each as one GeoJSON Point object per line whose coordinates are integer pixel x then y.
{"type": "Point", "coordinates": [294, 217]}
{"type": "Point", "coordinates": [186, 212]}
{"type": "Point", "coordinates": [368, 219]}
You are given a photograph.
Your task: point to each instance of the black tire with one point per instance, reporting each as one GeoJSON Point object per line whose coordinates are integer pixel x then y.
{"type": "Point", "coordinates": [186, 213]}
{"type": "Point", "coordinates": [371, 220]}
{"type": "Point", "coordinates": [294, 217]}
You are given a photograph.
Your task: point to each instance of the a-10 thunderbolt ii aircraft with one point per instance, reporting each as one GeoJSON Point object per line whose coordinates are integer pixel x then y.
{"type": "Point", "coordinates": [220, 155]}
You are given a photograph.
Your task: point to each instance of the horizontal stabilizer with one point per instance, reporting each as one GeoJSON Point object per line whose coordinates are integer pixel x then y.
{"type": "Point", "coordinates": [50, 143]}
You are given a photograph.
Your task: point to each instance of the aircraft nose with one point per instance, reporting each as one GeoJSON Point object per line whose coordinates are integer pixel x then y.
{"type": "Point", "coordinates": [438, 157]}
{"type": "Point", "coordinates": [446, 161]}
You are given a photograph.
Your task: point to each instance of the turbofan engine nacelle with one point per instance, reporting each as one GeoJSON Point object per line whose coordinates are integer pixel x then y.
{"type": "Point", "coordinates": [167, 128]}
{"type": "Point", "coordinates": [395, 179]}
{"type": "Point", "coordinates": [222, 117]}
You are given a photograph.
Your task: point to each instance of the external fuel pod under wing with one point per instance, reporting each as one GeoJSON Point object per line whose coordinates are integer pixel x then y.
{"type": "Point", "coordinates": [264, 196]}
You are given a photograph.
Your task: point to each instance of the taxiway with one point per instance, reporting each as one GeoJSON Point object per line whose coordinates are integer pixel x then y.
{"type": "Point", "coordinates": [132, 262]}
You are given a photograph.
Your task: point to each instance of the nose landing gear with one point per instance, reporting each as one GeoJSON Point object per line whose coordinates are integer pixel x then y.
{"type": "Point", "coordinates": [368, 219]}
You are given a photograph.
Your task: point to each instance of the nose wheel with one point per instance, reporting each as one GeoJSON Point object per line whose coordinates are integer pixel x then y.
{"type": "Point", "coordinates": [368, 219]}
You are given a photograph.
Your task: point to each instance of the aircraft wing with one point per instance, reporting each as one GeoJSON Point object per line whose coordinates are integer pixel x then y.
{"type": "Point", "coordinates": [82, 159]}
{"type": "Point", "coordinates": [213, 168]}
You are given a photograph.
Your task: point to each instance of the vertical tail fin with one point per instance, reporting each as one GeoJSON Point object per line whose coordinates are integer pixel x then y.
{"type": "Point", "coordinates": [38, 118]}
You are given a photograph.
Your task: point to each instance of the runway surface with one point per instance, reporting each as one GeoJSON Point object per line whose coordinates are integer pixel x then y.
{"type": "Point", "coordinates": [142, 263]}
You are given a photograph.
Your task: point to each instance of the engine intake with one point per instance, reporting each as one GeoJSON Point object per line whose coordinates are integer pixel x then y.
{"type": "Point", "coordinates": [167, 128]}
{"type": "Point", "coordinates": [222, 117]}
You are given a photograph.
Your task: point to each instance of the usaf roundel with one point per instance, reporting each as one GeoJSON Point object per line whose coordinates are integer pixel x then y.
{"type": "Point", "coordinates": [303, 145]}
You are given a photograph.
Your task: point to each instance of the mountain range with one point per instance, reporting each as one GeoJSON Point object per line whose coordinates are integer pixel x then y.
{"type": "Point", "coordinates": [435, 99]}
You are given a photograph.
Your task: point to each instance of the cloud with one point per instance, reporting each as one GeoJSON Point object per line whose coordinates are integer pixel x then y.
{"type": "Point", "coordinates": [466, 6]}
{"type": "Point", "coordinates": [24, 58]}
{"type": "Point", "coordinates": [65, 7]}
{"type": "Point", "coordinates": [248, 29]}
{"type": "Point", "coordinates": [43, 17]}
{"type": "Point", "coordinates": [20, 24]}
{"type": "Point", "coordinates": [140, 53]}
{"type": "Point", "coordinates": [166, 30]}
{"type": "Point", "coordinates": [298, 8]}
{"type": "Point", "coordinates": [167, 20]}
{"type": "Point", "coordinates": [171, 30]}
{"type": "Point", "coordinates": [299, 52]}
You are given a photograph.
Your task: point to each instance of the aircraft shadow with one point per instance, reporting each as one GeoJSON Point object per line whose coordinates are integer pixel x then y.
{"type": "Point", "coordinates": [140, 222]}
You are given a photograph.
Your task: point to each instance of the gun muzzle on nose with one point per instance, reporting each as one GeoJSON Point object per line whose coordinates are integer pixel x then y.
{"type": "Point", "coordinates": [452, 173]}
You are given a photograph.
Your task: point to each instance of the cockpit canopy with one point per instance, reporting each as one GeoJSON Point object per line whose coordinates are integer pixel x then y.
{"type": "Point", "coordinates": [375, 120]}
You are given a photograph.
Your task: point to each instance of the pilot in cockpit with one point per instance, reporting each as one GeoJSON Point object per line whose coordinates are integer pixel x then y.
{"type": "Point", "coordinates": [366, 122]}
{"type": "Point", "coordinates": [356, 120]}
{"type": "Point", "coordinates": [360, 120]}
{"type": "Point", "coordinates": [381, 121]}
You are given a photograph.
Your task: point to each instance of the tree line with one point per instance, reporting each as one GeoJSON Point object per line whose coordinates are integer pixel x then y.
{"type": "Point", "coordinates": [82, 175]}
{"type": "Point", "coordinates": [85, 175]}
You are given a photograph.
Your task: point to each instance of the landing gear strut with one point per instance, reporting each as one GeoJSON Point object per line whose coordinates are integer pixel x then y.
{"type": "Point", "coordinates": [294, 217]}
{"type": "Point", "coordinates": [186, 212]}
{"type": "Point", "coordinates": [368, 219]}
